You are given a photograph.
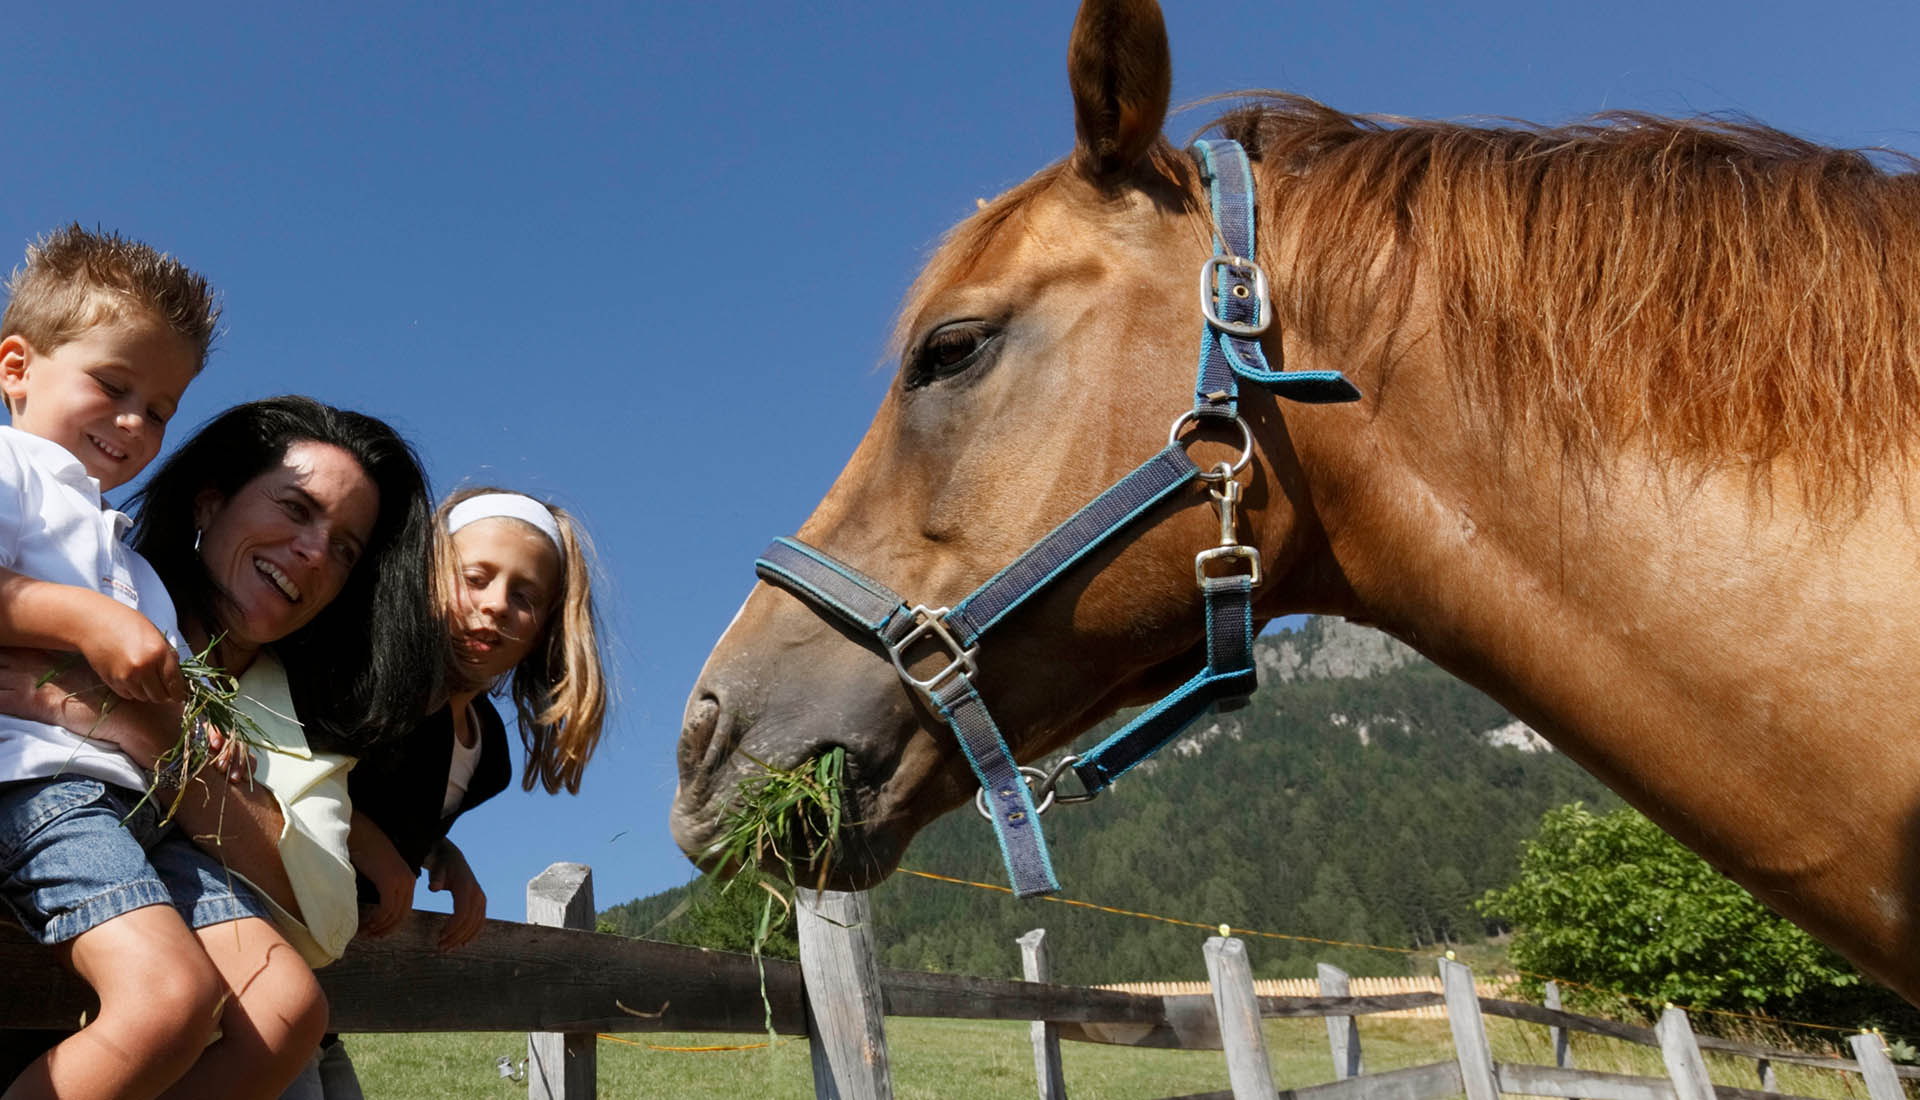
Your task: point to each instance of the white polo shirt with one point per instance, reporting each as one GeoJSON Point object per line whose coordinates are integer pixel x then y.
{"type": "Point", "coordinates": [54, 527]}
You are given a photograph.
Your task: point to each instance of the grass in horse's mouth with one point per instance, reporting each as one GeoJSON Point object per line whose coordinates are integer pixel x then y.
{"type": "Point", "coordinates": [792, 815]}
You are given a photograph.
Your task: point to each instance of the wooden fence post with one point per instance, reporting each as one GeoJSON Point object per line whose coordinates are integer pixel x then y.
{"type": "Point", "coordinates": [1768, 1081]}
{"type": "Point", "coordinates": [1685, 1066]}
{"type": "Point", "coordinates": [1249, 1071]}
{"type": "Point", "coordinates": [1562, 1049]}
{"type": "Point", "coordinates": [845, 1015]}
{"type": "Point", "coordinates": [1343, 1033]}
{"type": "Point", "coordinates": [1046, 1036]}
{"type": "Point", "coordinates": [1469, 1031]}
{"type": "Point", "coordinates": [561, 1066]}
{"type": "Point", "coordinates": [1876, 1067]}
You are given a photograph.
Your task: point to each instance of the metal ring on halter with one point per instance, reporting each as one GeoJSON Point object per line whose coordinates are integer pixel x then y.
{"type": "Point", "coordinates": [1027, 773]}
{"type": "Point", "coordinates": [1246, 445]}
{"type": "Point", "coordinates": [1050, 789]}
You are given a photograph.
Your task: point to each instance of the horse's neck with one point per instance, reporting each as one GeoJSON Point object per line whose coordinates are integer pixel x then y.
{"type": "Point", "coordinates": [1738, 667]}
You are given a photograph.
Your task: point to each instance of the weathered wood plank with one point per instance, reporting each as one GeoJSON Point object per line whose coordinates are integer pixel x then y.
{"type": "Point", "coordinates": [1343, 1035]}
{"type": "Point", "coordinates": [1562, 1049]}
{"type": "Point", "coordinates": [1613, 1029]}
{"type": "Point", "coordinates": [512, 977]}
{"type": "Point", "coordinates": [1876, 1067]}
{"type": "Point", "coordinates": [1533, 1080]}
{"type": "Point", "coordinates": [1730, 1092]}
{"type": "Point", "coordinates": [1595, 1085]}
{"type": "Point", "coordinates": [1429, 1082]}
{"type": "Point", "coordinates": [1682, 1055]}
{"type": "Point", "coordinates": [1187, 1023]}
{"type": "Point", "coordinates": [1274, 1008]}
{"type": "Point", "coordinates": [845, 1010]}
{"type": "Point", "coordinates": [561, 1066]}
{"type": "Point", "coordinates": [1469, 1032]}
{"type": "Point", "coordinates": [1249, 1070]}
{"type": "Point", "coordinates": [1046, 1036]}
{"type": "Point", "coordinates": [958, 997]}
{"type": "Point", "coordinates": [1535, 1014]}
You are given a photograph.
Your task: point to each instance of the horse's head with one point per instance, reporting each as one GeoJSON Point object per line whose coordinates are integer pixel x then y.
{"type": "Point", "coordinates": [1045, 351]}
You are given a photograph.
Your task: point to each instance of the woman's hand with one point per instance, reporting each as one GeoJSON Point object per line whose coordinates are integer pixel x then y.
{"type": "Point", "coordinates": [44, 686]}
{"type": "Point", "coordinates": [447, 870]}
{"type": "Point", "coordinates": [230, 755]}
{"type": "Point", "coordinates": [375, 857]}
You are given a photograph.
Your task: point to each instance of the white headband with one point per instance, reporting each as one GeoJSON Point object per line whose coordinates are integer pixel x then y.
{"type": "Point", "coordinates": [505, 506]}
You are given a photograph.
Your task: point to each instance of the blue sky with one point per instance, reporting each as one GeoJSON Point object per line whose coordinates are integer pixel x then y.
{"type": "Point", "coordinates": [643, 258]}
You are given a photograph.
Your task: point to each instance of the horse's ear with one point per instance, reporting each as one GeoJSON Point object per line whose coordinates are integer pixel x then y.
{"type": "Point", "coordinates": [1122, 75]}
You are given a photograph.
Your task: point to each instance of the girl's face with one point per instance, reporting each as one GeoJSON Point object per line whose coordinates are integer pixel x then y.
{"type": "Point", "coordinates": [508, 582]}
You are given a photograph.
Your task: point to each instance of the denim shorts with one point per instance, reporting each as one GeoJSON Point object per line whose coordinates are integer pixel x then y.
{"type": "Point", "coordinates": [76, 852]}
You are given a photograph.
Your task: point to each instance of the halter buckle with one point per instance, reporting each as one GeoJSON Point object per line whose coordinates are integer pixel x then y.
{"type": "Point", "coordinates": [1209, 300]}
{"type": "Point", "coordinates": [932, 623]}
{"type": "Point", "coordinates": [1222, 553]}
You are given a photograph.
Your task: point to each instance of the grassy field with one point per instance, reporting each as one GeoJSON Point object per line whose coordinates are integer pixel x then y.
{"type": "Point", "coordinates": [978, 1060]}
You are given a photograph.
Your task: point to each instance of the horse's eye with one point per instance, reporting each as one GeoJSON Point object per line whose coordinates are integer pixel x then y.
{"type": "Point", "coordinates": [948, 350]}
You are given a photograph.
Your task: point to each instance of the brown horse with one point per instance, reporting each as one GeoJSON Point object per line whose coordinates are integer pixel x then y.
{"type": "Point", "coordinates": [1634, 457]}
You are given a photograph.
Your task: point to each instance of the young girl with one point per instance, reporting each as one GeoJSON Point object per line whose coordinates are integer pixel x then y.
{"type": "Point", "coordinates": [514, 586]}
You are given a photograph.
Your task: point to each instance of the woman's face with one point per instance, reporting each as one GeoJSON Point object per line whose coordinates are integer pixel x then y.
{"type": "Point", "coordinates": [508, 582]}
{"type": "Point", "coordinates": [282, 546]}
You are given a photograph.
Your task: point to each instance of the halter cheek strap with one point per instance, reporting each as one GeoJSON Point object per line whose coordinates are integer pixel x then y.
{"type": "Point", "coordinates": [1235, 303]}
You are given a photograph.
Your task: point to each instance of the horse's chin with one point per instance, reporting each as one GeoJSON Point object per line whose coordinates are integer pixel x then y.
{"type": "Point", "coordinates": [860, 861]}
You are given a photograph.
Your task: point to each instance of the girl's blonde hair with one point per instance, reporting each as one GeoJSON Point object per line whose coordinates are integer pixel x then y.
{"type": "Point", "coordinates": [559, 690]}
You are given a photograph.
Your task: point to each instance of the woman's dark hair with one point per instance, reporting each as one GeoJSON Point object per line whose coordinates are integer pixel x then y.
{"type": "Point", "coordinates": [369, 665]}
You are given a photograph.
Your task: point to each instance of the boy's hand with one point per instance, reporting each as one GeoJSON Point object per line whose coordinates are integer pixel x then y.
{"type": "Point", "coordinates": [447, 871]}
{"type": "Point", "coordinates": [130, 655]}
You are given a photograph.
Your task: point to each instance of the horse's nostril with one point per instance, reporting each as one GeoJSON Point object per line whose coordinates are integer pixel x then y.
{"type": "Point", "coordinates": [700, 733]}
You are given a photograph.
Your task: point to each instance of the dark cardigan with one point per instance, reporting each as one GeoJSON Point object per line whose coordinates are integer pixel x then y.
{"type": "Point", "coordinates": [402, 788]}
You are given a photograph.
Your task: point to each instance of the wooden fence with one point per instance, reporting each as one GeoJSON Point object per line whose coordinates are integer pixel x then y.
{"type": "Point", "coordinates": [565, 984]}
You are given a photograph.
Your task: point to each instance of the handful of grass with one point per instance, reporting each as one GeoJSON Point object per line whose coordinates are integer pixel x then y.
{"type": "Point", "coordinates": [213, 697]}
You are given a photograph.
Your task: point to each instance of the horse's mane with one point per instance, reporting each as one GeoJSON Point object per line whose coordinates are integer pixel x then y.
{"type": "Point", "coordinates": [1710, 289]}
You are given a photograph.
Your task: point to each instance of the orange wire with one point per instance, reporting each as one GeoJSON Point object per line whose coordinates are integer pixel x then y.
{"type": "Point", "coordinates": [1228, 929]}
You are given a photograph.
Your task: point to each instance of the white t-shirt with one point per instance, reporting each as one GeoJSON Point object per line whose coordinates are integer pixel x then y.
{"type": "Point", "coordinates": [53, 527]}
{"type": "Point", "coordinates": [460, 770]}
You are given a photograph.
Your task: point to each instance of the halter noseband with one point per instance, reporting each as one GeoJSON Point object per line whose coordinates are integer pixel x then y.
{"type": "Point", "coordinates": [1234, 301]}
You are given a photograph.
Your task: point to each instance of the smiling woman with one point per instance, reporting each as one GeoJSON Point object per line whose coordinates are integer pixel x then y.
{"type": "Point", "coordinates": [292, 537]}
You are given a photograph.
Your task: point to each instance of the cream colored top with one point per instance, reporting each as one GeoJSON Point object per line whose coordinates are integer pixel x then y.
{"type": "Point", "coordinates": [311, 788]}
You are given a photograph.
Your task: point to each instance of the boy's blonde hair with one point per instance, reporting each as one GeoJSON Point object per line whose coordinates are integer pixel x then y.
{"type": "Point", "coordinates": [74, 279]}
{"type": "Point", "coordinates": [559, 690]}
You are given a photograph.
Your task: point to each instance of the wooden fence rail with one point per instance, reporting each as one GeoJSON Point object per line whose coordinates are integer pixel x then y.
{"type": "Point", "coordinates": [572, 983]}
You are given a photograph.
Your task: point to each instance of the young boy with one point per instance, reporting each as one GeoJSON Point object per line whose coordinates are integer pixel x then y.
{"type": "Point", "coordinates": [100, 338]}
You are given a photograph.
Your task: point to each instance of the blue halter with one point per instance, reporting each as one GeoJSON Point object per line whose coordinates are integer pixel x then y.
{"type": "Point", "coordinates": [1234, 300]}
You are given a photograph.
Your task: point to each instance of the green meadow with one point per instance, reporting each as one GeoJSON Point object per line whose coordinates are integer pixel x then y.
{"type": "Point", "coordinates": [977, 1060]}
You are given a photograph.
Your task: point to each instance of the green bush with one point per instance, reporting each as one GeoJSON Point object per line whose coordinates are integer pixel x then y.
{"type": "Point", "coordinates": [1611, 901]}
